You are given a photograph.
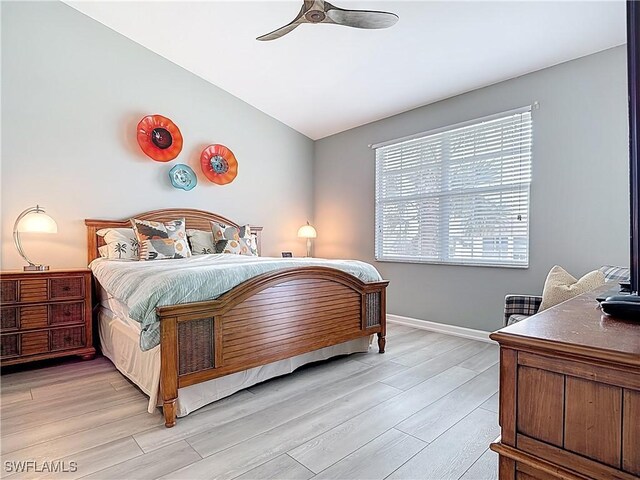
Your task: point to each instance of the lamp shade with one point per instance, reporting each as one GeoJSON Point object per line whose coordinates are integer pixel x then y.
{"type": "Point", "coordinates": [307, 231]}
{"type": "Point", "coordinates": [37, 221]}
{"type": "Point", "coordinates": [33, 219]}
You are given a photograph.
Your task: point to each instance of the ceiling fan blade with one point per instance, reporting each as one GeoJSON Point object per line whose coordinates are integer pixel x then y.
{"type": "Point", "coordinates": [307, 4]}
{"type": "Point", "coordinates": [280, 31]}
{"type": "Point", "coordinates": [360, 18]}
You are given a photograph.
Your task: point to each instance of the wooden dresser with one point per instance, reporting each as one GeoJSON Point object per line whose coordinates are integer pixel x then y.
{"type": "Point", "coordinates": [45, 315]}
{"type": "Point", "coordinates": [570, 395]}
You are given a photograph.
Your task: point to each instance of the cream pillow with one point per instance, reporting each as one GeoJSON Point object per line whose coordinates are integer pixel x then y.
{"type": "Point", "coordinates": [201, 242]}
{"type": "Point", "coordinates": [561, 286]}
{"type": "Point", "coordinates": [121, 244]}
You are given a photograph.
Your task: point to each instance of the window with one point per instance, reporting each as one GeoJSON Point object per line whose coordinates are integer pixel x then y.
{"type": "Point", "coordinates": [457, 195]}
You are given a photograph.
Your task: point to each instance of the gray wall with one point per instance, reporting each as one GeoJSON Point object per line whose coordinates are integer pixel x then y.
{"type": "Point", "coordinates": [579, 193]}
{"type": "Point", "coordinates": [73, 92]}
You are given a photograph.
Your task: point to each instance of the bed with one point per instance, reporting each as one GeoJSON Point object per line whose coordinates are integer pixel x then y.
{"type": "Point", "coordinates": [265, 326]}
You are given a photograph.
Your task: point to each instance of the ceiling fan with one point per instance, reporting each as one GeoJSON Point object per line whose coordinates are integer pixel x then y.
{"type": "Point", "coordinates": [319, 11]}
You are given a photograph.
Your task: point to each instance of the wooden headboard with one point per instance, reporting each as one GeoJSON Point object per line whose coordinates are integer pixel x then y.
{"type": "Point", "coordinates": [196, 219]}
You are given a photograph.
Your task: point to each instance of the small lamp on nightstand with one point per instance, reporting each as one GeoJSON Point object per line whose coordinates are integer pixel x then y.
{"type": "Point", "coordinates": [308, 232]}
{"type": "Point", "coordinates": [33, 219]}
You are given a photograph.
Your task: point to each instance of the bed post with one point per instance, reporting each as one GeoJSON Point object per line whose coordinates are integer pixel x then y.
{"type": "Point", "coordinates": [169, 369]}
{"type": "Point", "coordinates": [382, 341]}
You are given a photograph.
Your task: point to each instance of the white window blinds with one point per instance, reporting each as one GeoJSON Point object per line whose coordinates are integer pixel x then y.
{"type": "Point", "coordinates": [458, 195]}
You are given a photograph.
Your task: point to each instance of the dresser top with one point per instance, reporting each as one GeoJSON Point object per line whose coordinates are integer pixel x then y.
{"type": "Point", "coordinates": [45, 272]}
{"type": "Point", "coordinates": [577, 326]}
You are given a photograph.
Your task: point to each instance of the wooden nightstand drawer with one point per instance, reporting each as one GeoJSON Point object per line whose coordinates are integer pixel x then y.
{"type": "Point", "coordinates": [66, 338]}
{"type": "Point", "coordinates": [9, 346]}
{"type": "Point", "coordinates": [33, 290]}
{"type": "Point", "coordinates": [33, 316]}
{"type": "Point", "coordinates": [9, 318]}
{"type": "Point", "coordinates": [8, 291]}
{"type": "Point", "coordinates": [61, 313]}
{"type": "Point", "coordinates": [66, 287]}
{"type": "Point", "coordinates": [34, 342]}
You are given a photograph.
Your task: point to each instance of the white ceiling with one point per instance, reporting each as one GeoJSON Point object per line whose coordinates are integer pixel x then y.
{"type": "Point", "coordinates": [323, 79]}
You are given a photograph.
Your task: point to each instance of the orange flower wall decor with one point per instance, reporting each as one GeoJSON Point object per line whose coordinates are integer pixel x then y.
{"type": "Point", "coordinates": [159, 138]}
{"type": "Point", "coordinates": [219, 164]}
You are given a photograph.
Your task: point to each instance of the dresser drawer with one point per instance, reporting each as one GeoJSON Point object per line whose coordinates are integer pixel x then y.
{"type": "Point", "coordinates": [67, 338]}
{"type": "Point", "coordinates": [9, 318]}
{"type": "Point", "coordinates": [34, 342]}
{"type": "Point", "coordinates": [33, 316]}
{"type": "Point", "coordinates": [8, 291]}
{"type": "Point", "coordinates": [33, 290]}
{"type": "Point", "coordinates": [62, 313]}
{"type": "Point", "coordinates": [9, 345]}
{"type": "Point", "coordinates": [66, 287]}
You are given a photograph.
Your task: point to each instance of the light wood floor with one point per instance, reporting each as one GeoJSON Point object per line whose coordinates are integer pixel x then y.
{"type": "Point", "coordinates": [425, 409]}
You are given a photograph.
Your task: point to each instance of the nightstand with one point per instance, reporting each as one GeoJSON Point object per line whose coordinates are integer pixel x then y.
{"type": "Point", "coordinates": [45, 315]}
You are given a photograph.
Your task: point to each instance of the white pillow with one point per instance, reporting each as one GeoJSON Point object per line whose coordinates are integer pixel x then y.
{"type": "Point", "coordinates": [561, 286]}
{"type": "Point", "coordinates": [201, 242]}
{"type": "Point", "coordinates": [121, 244]}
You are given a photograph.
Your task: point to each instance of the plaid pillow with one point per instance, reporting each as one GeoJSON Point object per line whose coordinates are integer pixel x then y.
{"type": "Point", "coordinates": [520, 305]}
{"type": "Point", "coordinates": [612, 273]}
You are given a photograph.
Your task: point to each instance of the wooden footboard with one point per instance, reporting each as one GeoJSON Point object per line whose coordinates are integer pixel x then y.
{"type": "Point", "coordinates": [271, 317]}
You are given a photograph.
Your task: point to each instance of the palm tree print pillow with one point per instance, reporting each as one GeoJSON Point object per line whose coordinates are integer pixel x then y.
{"type": "Point", "coordinates": [121, 244]}
{"type": "Point", "coordinates": [201, 242]}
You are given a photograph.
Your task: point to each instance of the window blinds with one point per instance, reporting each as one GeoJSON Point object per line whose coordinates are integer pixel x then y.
{"type": "Point", "coordinates": [458, 195]}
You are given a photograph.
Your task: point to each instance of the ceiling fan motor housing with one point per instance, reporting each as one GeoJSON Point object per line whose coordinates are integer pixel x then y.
{"type": "Point", "coordinates": [315, 16]}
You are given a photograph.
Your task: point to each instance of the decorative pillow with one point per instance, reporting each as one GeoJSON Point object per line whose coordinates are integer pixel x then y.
{"type": "Point", "coordinates": [201, 242]}
{"type": "Point", "coordinates": [561, 286]}
{"type": "Point", "coordinates": [234, 240]}
{"type": "Point", "coordinates": [121, 244]}
{"type": "Point", "coordinates": [161, 240]}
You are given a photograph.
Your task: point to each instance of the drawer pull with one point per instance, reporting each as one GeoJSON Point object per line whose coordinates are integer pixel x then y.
{"type": "Point", "coordinates": [66, 288]}
{"type": "Point", "coordinates": [67, 312]}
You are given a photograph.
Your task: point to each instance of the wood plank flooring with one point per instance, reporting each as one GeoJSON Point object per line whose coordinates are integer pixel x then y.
{"type": "Point", "coordinates": [426, 409]}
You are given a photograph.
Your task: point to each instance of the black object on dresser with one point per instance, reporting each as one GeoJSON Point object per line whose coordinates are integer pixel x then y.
{"type": "Point", "coordinates": [45, 315]}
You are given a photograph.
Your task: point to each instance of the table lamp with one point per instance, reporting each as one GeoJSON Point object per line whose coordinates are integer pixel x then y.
{"type": "Point", "coordinates": [308, 232]}
{"type": "Point", "coordinates": [33, 219]}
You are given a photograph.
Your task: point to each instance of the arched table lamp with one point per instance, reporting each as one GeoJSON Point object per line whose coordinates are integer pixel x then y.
{"type": "Point", "coordinates": [308, 232]}
{"type": "Point", "coordinates": [33, 219]}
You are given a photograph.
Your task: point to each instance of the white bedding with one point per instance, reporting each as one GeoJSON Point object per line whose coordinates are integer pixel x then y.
{"type": "Point", "coordinates": [120, 342]}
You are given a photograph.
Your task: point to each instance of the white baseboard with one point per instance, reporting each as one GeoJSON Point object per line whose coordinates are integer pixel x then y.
{"type": "Point", "coordinates": [441, 328]}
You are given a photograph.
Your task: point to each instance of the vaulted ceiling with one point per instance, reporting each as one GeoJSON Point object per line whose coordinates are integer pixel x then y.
{"type": "Point", "coordinates": [323, 79]}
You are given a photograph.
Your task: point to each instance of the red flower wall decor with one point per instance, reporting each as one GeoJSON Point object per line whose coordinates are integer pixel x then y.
{"type": "Point", "coordinates": [219, 164]}
{"type": "Point", "coordinates": [159, 138]}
